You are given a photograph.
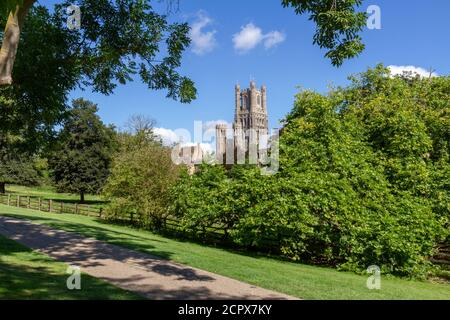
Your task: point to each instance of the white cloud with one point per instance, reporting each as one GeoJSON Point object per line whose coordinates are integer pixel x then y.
{"type": "Point", "coordinates": [202, 41]}
{"type": "Point", "coordinates": [248, 38]}
{"type": "Point", "coordinates": [400, 70]}
{"type": "Point", "coordinates": [171, 137]}
{"type": "Point", "coordinates": [168, 137]}
{"type": "Point", "coordinates": [273, 38]}
{"type": "Point", "coordinates": [251, 36]}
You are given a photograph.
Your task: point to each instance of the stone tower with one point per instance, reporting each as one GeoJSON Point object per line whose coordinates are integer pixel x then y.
{"type": "Point", "coordinates": [250, 124]}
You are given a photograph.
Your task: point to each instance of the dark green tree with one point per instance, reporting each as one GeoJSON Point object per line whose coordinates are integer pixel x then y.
{"type": "Point", "coordinates": [16, 165]}
{"type": "Point", "coordinates": [118, 41]}
{"type": "Point", "coordinates": [81, 161]}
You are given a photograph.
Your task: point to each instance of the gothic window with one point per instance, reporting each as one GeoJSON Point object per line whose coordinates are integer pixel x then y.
{"type": "Point", "coordinates": [242, 103]}
{"type": "Point", "coordinates": [259, 100]}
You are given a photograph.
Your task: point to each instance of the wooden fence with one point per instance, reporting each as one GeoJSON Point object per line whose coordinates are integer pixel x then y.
{"type": "Point", "coordinates": [49, 205]}
{"type": "Point", "coordinates": [171, 225]}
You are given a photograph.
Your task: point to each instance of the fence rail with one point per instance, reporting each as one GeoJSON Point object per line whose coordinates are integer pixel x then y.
{"type": "Point", "coordinates": [49, 205]}
{"type": "Point", "coordinates": [215, 234]}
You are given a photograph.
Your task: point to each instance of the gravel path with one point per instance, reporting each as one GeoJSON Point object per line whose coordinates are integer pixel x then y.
{"type": "Point", "coordinates": [144, 274]}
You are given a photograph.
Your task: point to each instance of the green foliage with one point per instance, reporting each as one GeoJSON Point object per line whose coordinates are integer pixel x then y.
{"type": "Point", "coordinates": [337, 26]}
{"type": "Point", "coordinates": [213, 197]}
{"type": "Point", "coordinates": [18, 170]}
{"type": "Point", "coordinates": [363, 179]}
{"type": "Point", "coordinates": [141, 175]}
{"type": "Point", "coordinates": [7, 5]}
{"type": "Point", "coordinates": [80, 162]}
{"type": "Point", "coordinates": [119, 41]}
{"type": "Point", "coordinates": [16, 165]}
{"type": "Point", "coordinates": [37, 100]}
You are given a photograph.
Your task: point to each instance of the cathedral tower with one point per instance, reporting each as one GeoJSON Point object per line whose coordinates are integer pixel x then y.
{"type": "Point", "coordinates": [250, 122]}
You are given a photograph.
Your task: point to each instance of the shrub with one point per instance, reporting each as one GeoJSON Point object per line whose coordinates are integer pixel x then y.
{"type": "Point", "coordinates": [141, 176]}
{"type": "Point", "coordinates": [363, 179]}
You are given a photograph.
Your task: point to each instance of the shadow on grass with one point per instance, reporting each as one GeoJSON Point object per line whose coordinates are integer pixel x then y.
{"type": "Point", "coordinates": [73, 248]}
{"type": "Point", "coordinates": [119, 238]}
{"type": "Point", "coordinates": [144, 244]}
{"type": "Point", "coordinates": [186, 237]}
{"type": "Point", "coordinates": [25, 274]}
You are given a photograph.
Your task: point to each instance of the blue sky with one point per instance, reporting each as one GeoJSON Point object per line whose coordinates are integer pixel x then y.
{"type": "Point", "coordinates": [413, 33]}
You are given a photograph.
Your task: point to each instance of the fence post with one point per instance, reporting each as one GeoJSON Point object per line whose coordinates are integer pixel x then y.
{"type": "Point", "coordinates": [18, 201]}
{"type": "Point", "coordinates": [62, 207]}
{"type": "Point", "coordinates": [29, 202]}
{"type": "Point", "coordinates": [50, 205]}
{"type": "Point", "coordinates": [100, 213]}
{"type": "Point", "coordinates": [9, 199]}
{"type": "Point", "coordinates": [39, 204]}
{"type": "Point", "coordinates": [76, 208]}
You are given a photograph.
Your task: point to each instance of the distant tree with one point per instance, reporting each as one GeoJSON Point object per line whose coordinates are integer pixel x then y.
{"type": "Point", "coordinates": [140, 124]}
{"type": "Point", "coordinates": [81, 161]}
{"type": "Point", "coordinates": [16, 166]}
{"type": "Point", "coordinates": [142, 174]}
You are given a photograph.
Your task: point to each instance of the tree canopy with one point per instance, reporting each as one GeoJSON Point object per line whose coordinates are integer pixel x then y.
{"type": "Point", "coordinates": [116, 40]}
{"type": "Point", "coordinates": [363, 179]}
{"type": "Point", "coordinates": [80, 162]}
{"type": "Point", "coordinates": [338, 25]}
{"type": "Point", "coordinates": [142, 174]}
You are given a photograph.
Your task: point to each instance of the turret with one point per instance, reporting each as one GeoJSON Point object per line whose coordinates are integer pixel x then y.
{"type": "Point", "coordinates": [264, 98]}
{"type": "Point", "coordinates": [237, 102]}
{"type": "Point", "coordinates": [253, 93]}
{"type": "Point", "coordinates": [221, 141]}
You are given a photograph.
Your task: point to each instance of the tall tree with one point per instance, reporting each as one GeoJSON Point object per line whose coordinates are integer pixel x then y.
{"type": "Point", "coordinates": [142, 174]}
{"type": "Point", "coordinates": [81, 161]}
{"type": "Point", "coordinates": [37, 100]}
{"type": "Point", "coordinates": [16, 11]}
{"type": "Point", "coordinates": [116, 40]}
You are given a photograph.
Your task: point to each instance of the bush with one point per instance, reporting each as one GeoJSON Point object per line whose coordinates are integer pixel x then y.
{"type": "Point", "coordinates": [141, 175]}
{"type": "Point", "coordinates": [363, 179]}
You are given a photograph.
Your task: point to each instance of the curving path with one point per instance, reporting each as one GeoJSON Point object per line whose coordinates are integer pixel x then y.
{"type": "Point", "coordinates": [144, 274]}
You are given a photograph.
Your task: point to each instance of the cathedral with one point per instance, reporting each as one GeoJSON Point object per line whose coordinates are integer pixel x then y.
{"type": "Point", "coordinates": [246, 141]}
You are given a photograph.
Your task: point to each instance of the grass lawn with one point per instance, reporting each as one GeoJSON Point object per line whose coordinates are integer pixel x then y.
{"type": "Point", "coordinates": [26, 274]}
{"type": "Point", "coordinates": [48, 192]}
{"type": "Point", "coordinates": [303, 281]}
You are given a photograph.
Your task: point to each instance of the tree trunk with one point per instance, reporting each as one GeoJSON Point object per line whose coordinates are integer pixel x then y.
{"type": "Point", "coordinates": [2, 187]}
{"type": "Point", "coordinates": [81, 197]}
{"type": "Point", "coordinates": [10, 43]}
